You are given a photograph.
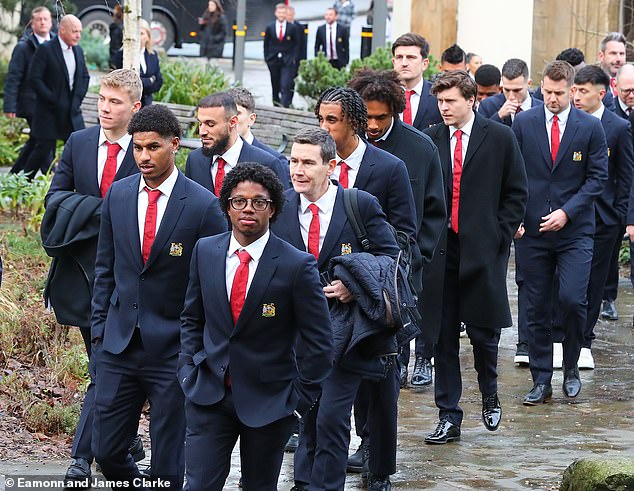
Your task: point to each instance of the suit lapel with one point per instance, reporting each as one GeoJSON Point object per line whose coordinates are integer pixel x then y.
{"type": "Point", "coordinates": [128, 165]}
{"type": "Point", "coordinates": [539, 126]}
{"type": "Point", "coordinates": [420, 112]}
{"type": "Point", "coordinates": [57, 49]}
{"type": "Point", "coordinates": [219, 282]}
{"type": "Point", "coordinates": [478, 132]}
{"type": "Point", "coordinates": [366, 168]}
{"type": "Point", "coordinates": [569, 133]}
{"type": "Point", "coordinates": [132, 211]}
{"type": "Point", "coordinates": [92, 153]}
{"type": "Point", "coordinates": [293, 223]}
{"type": "Point", "coordinates": [337, 222]}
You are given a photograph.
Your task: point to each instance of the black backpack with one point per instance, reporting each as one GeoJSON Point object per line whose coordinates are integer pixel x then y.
{"type": "Point", "coordinates": [402, 313]}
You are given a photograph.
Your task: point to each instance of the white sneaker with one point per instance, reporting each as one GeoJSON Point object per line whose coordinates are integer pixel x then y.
{"type": "Point", "coordinates": [586, 361]}
{"type": "Point", "coordinates": [558, 355]}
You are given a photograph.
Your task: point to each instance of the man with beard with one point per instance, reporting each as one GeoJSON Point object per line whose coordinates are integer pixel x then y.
{"type": "Point", "coordinates": [222, 147]}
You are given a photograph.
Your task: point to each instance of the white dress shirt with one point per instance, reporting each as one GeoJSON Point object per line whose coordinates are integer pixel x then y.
{"type": "Point", "coordinates": [166, 189]}
{"type": "Point", "coordinates": [387, 133]}
{"type": "Point", "coordinates": [331, 30]}
{"type": "Point", "coordinates": [40, 39]}
{"type": "Point", "coordinates": [599, 112]}
{"type": "Point", "coordinates": [231, 157]}
{"type": "Point", "coordinates": [326, 205]}
{"type": "Point", "coordinates": [277, 29]}
{"type": "Point", "coordinates": [563, 119]}
{"type": "Point", "coordinates": [466, 134]}
{"type": "Point", "coordinates": [69, 59]}
{"type": "Point", "coordinates": [254, 249]}
{"type": "Point", "coordinates": [102, 152]}
{"type": "Point", "coordinates": [353, 161]}
{"type": "Point", "coordinates": [624, 106]}
{"type": "Point", "coordinates": [414, 99]}
{"type": "Point", "coordinates": [142, 61]}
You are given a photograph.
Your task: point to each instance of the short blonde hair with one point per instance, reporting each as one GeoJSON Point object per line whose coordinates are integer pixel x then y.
{"type": "Point", "coordinates": [145, 25]}
{"type": "Point", "coordinates": [125, 79]}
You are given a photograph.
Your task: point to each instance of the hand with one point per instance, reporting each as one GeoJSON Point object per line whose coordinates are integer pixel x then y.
{"type": "Point", "coordinates": [10, 115]}
{"type": "Point", "coordinates": [96, 340]}
{"type": "Point", "coordinates": [338, 290]}
{"type": "Point", "coordinates": [629, 230]}
{"type": "Point", "coordinates": [508, 108]}
{"type": "Point", "coordinates": [520, 232]}
{"type": "Point", "coordinates": [554, 221]}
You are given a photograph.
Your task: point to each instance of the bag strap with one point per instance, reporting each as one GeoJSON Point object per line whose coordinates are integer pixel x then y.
{"type": "Point", "coordinates": [351, 205]}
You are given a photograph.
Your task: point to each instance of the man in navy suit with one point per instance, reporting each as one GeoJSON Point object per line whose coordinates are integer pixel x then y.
{"type": "Point", "coordinates": [222, 147]}
{"type": "Point", "coordinates": [282, 43]}
{"type": "Point", "coordinates": [612, 56]}
{"type": "Point", "coordinates": [410, 60]}
{"type": "Point", "coordinates": [566, 160]}
{"type": "Point", "coordinates": [256, 339]}
{"type": "Point", "coordinates": [486, 199]}
{"type": "Point", "coordinates": [89, 167]}
{"type": "Point", "coordinates": [150, 224]}
{"type": "Point", "coordinates": [333, 39]}
{"type": "Point", "coordinates": [611, 205]}
{"type": "Point", "coordinates": [59, 77]}
{"type": "Point", "coordinates": [314, 220]}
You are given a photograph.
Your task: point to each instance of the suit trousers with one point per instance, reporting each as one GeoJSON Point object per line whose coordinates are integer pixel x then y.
{"type": "Point", "coordinates": [82, 442]}
{"type": "Point", "coordinates": [484, 341]}
{"type": "Point", "coordinates": [212, 432]}
{"type": "Point", "coordinates": [282, 81]}
{"type": "Point", "coordinates": [40, 157]}
{"type": "Point", "coordinates": [607, 238]}
{"type": "Point", "coordinates": [611, 290]}
{"type": "Point", "coordinates": [322, 455]}
{"type": "Point", "coordinates": [540, 258]}
{"type": "Point", "coordinates": [124, 382]}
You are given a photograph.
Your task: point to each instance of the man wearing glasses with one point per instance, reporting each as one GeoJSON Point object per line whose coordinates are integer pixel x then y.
{"type": "Point", "coordinates": [256, 345]}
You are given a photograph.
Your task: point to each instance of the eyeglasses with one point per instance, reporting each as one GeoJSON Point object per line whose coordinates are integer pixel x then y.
{"type": "Point", "coordinates": [626, 91]}
{"type": "Point", "coordinates": [258, 204]}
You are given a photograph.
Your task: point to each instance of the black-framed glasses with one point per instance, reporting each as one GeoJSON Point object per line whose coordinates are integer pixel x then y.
{"type": "Point", "coordinates": [258, 204]}
{"type": "Point", "coordinates": [627, 91]}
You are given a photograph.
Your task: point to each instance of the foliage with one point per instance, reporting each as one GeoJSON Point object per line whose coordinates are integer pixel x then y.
{"type": "Point", "coordinates": [4, 69]}
{"type": "Point", "coordinates": [381, 59]}
{"type": "Point", "coordinates": [186, 82]}
{"type": "Point", "coordinates": [24, 198]}
{"type": "Point", "coordinates": [96, 52]}
{"type": "Point", "coordinates": [181, 158]}
{"type": "Point", "coordinates": [624, 252]}
{"type": "Point", "coordinates": [11, 139]}
{"type": "Point", "coordinates": [432, 69]}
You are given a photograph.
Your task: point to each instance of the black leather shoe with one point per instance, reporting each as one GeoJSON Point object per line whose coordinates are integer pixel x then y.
{"type": "Point", "coordinates": [422, 372]}
{"type": "Point", "coordinates": [608, 310]}
{"type": "Point", "coordinates": [491, 412]}
{"type": "Point", "coordinates": [521, 354]}
{"type": "Point", "coordinates": [445, 432]}
{"type": "Point", "coordinates": [572, 382]}
{"type": "Point", "coordinates": [79, 472]}
{"type": "Point", "coordinates": [292, 443]}
{"type": "Point", "coordinates": [358, 461]}
{"type": "Point", "coordinates": [136, 449]}
{"type": "Point", "coordinates": [379, 483]}
{"type": "Point", "coordinates": [299, 487]}
{"type": "Point", "coordinates": [402, 376]}
{"type": "Point", "coordinates": [539, 394]}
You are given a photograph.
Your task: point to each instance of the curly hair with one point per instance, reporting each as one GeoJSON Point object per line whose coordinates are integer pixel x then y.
{"type": "Point", "coordinates": [155, 118]}
{"type": "Point", "coordinates": [352, 107]}
{"type": "Point", "coordinates": [254, 172]}
{"type": "Point", "coordinates": [382, 86]}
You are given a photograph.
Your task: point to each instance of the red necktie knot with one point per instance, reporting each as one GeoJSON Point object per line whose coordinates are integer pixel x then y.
{"type": "Point", "coordinates": [220, 175]}
{"type": "Point", "coordinates": [110, 167]}
{"type": "Point", "coordinates": [313, 231]}
{"type": "Point", "coordinates": [239, 285]}
{"type": "Point", "coordinates": [244, 257]}
{"type": "Point", "coordinates": [518, 110]}
{"type": "Point", "coordinates": [407, 113]}
{"type": "Point", "coordinates": [149, 229]}
{"type": "Point", "coordinates": [152, 195]}
{"type": "Point", "coordinates": [343, 174]}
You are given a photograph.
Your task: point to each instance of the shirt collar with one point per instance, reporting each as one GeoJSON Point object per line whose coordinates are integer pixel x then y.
{"type": "Point", "coordinates": [466, 129]}
{"type": "Point", "coordinates": [255, 249]}
{"type": "Point", "coordinates": [387, 133]}
{"type": "Point", "coordinates": [623, 105]}
{"type": "Point", "coordinates": [249, 138]}
{"type": "Point", "coordinates": [599, 112]}
{"type": "Point", "coordinates": [562, 116]}
{"type": "Point", "coordinates": [232, 155]}
{"type": "Point", "coordinates": [325, 204]}
{"type": "Point", "coordinates": [166, 187]}
{"type": "Point", "coordinates": [355, 158]}
{"type": "Point", "coordinates": [124, 141]}
{"type": "Point", "coordinates": [527, 103]}
{"type": "Point", "coordinates": [418, 88]}
{"type": "Point", "coordinates": [40, 39]}
{"type": "Point", "coordinates": [62, 44]}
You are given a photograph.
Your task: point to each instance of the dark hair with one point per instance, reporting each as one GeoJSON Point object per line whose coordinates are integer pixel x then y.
{"type": "Point", "coordinates": [613, 36]}
{"type": "Point", "coordinates": [487, 75]}
{"type": "Point", "coordinates": [242, 97]}
{"type": "Point", "coordinates": [155, 118]}
{"type": "Point", "coordinates": [454, 54]}
{"type": "Point", "coordinates": [514, 68]}
{"type": "Point", "coordinates": [383, 86]}
{"type": "Point", "coordinates": [470, 56]}
{"type": "Point", "coordinates": [254, 172]}
{"type": "Point", "coordinates": [352, 106]}
{"type": "Point", "coordinates": [455, 78]}
{"type": "Point", "coordinates": [412, 39]}
{"type": "Point", "coordinates": [317, 136]}
{"type": "Point", "coordinates": [559, 70]}
{"type": "Point", "coordinates": [574, 56]}
{"type": "Point", "coordinates": [220, 99]}
{"type": "Point", "coordinates": [594, 75]}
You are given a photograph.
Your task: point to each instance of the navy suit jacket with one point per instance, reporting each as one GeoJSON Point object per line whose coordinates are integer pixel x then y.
{"type": "Point", "coordinates": [198, 166]}
{"type": "Point", "coordinates": [77, 168]}
{"type": "Point", "coordinates": [428, 113]}
{"type": "Point", "coordinates": [153, 69]}
{"type": "Point", "coordinates": [609, 101]}
{"type": "Point", "coordinates": [128, 293]}
{"type": "Point", "coordinates": [57, 110]}
{"type": "Point", "coordinates": [341, 43]}
{"type": "Point", "coordinates": [612, 204]}
{"type": "Point", "coordinates": [490, 106]}
{"type": "Point", "coordinates": [282, 158]}
{"type": "Point", "coordinates": [288, 49]}
{"type": "Point", "coordinates": [575, 180]}
{"type": "Point", "coordinates": [619, 112]}
{"type": "Point", "coordinates": [285, 307]}
{"type": "Point", "coordinates": [340, 237]}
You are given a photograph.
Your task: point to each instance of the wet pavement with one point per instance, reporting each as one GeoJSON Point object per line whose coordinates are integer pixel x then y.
{"type": "Point", "coordinates": [533, 445]}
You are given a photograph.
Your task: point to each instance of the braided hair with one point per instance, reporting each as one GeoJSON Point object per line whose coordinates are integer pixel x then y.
{"type": "Point", "coordinates": [383, 86]}
{"type": "Point", "coordinates": [352, 106]}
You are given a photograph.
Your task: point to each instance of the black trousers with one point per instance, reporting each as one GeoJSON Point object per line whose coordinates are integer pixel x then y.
{"type": "Point", "coordinates": [40, 156]}
{"type": "Point", "coordinates": [82, 442]}
{"type": "Point", "coordinates": [611, 289]}
{"type": "Point", "coordinates": [282, 81]}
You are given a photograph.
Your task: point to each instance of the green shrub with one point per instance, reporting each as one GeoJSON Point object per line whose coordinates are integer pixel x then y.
{"type": "Point", "coordinates": [24, 198]}
{"type": "Point", "coordinates": [4, 69]}
{"type": "Point", "coordinates": [186, 82]}
{"type": "Point", "coordinates": [11, 139]}
{"type": "Point", "coordinates": [96, 52]}
{"type": "Point", "coordinates": [381, 59]}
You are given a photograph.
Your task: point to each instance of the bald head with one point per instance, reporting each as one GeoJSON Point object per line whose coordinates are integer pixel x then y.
{"type": "Point", "coordinates": [70, 30]}
{"type": "Point", "coordinates": [625, 84]}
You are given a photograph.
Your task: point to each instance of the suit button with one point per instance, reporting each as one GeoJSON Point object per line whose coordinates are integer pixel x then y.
{"type": "Point", "coordinates": [135, 306]}
{"type": "Point", "coordinates": [441, 252]}
{"type": "Point", "coordinates": [222, 368]}
{"type": "Point", "coordinates": [142, 278]}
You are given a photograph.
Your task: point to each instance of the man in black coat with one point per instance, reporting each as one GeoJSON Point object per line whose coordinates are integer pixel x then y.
{"type": "Point", "coordinates": [333, 39]}
{"type": "Point", "coordinates": [486, 199]}
{"type": "Point", "coordinates": [59, 77]}
{"type": "Point", "coordinates": [19, 98]}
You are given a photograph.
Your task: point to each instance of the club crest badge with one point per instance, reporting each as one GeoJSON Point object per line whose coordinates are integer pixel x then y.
{"type": "Point", "coordinates": [608, 151]}
{"type": "Point", "coordinates": [577, 156]}
{"type": "Point", "coordinates": [346, 249]}
{"type": "Point", "coordinates": [268, 310]}
{"type": "Point", "coordinates": [176, 249]}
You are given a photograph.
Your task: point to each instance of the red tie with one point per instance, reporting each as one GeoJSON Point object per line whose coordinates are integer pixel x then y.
{"type": "Point", "coordinates": [239, 285]}
{"type": "Point", "coordinates": [407, 114]}
{"type": "Point", "coordinates": [220, 175]}
{"type": "Point", "coordinates": [313, 231]}
{"type": "Point", "coordinates": [554, 138]}
{"type": "Point", "coordinates": [615, 91]}
{"type": "Point", "coordinates": [110, 169]}
{"type": "Point", "coordinates": [149, 229]}
{"type": "Point", "coordinates": [332, 46]}
{"type": "Point", "coordinates": [281, 34]}
{"type": "Point", "coordinates": [457, 174]}
{"type": "Point", "coordinates": [518, 110]}
{"type": "Point", "coordinates": [343, 174]}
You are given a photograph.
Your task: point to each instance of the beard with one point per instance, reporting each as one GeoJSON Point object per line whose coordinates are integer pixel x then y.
{"type": "Point", "coordinates": [218, 148]}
